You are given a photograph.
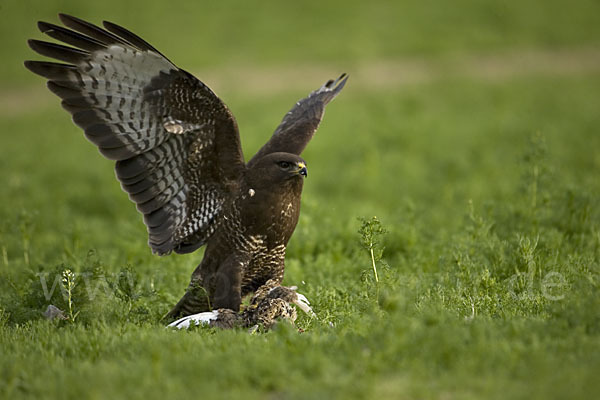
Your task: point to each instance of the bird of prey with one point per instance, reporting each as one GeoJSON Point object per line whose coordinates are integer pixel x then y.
{"type": "Point", "coordinates": [178, 156]}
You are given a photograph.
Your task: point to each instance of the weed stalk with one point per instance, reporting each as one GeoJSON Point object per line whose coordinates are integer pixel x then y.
{"type": "Point", "coordinates": [370, 231]}
{"type": "Point", "coordinates": [68, 281]}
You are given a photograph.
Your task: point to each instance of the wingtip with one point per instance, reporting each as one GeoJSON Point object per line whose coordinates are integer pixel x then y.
{"type": "Point", "coordinates": [31, 44]}
{"type": "Point", "coordinates": [44, 26]}
{"type": "Point", "coordinates": [37, 67]}
{"type": "Point", "coordinates": [71, 21]}
{"type": "Point", "coordinates": [335, 85]}
{"type": "Point", "coordinates": [108, 25]}
{"type": "Point", "coordinates": [64, 16]}
{"type": "Point", "coordinates": [341, 81]}
{"type": "Point", "coordinates": [30, 65]}
{"type": "Point", "coordinates": [38, 46]}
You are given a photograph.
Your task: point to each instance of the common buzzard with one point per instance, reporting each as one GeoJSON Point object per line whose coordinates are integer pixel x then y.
{"type": "Point", "coordinates": [178, 156]}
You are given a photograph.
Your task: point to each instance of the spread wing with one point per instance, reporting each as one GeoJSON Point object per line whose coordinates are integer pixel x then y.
{"type": "Point", "coordinates": [176, 145]}
{"type": "Point", "coordinates": [300, 123]}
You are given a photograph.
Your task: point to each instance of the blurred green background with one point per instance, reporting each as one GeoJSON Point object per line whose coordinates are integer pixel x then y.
{"type": "Point", "coordinates": [470, 128]}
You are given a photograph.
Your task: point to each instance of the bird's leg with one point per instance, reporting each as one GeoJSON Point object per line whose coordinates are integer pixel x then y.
{"type": "Point", "coordinates": [228, 283]}
{"type": "Point", "coordinates": [195, 300]}
{"type": "Point", "coordinates": [197, 297]}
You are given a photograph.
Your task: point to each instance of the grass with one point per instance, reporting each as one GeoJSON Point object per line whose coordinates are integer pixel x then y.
{"type": "Point", "coordinates": [487, 191]}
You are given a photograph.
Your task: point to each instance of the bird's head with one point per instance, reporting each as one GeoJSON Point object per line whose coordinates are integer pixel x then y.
{"type": "Point", "coordinates": [279, 167]}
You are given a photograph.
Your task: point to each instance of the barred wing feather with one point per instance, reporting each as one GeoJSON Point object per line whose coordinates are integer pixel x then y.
{"type": "Point", "coordinates": [175, 143]}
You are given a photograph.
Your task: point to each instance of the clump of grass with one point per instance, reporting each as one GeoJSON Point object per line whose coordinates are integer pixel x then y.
{"type": "Point", "coordinates": [536, 176]}
{"type": "Point", "coordinates": [126, 286]}
{"type": "Point", "coordinates": [26, 227]}
{"type": "Point", "coordinates": [3, 249]}
{"type": "Point", "coordinates": [137, 296]}
{"type": "Point", "coordinates": [4, 316]}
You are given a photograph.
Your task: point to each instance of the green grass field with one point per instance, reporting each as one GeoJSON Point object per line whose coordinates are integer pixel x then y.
{"type": "Point", "coordinates": [469, 128]}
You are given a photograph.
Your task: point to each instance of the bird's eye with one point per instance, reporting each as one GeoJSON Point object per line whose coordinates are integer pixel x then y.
{"type": "Point", "coordinates": [284, 164]}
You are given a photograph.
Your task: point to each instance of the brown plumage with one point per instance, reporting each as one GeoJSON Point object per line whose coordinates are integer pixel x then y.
{"type": "Point", "coordinates": [178, 156]}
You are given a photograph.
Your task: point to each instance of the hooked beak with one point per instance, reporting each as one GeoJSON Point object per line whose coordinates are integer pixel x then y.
{"type": "Point", "coordinates": [302, 169]}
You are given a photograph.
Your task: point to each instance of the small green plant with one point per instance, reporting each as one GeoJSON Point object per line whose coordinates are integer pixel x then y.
{"type": "Point", "coordinates": [535, 177]}
{"type": "Point", "coordinates": [3, 316]}
{"type": "Point", "coordinates": [137, 297]}
{"type": "Point", "coordinates": [26, 227]}
{"type": "Point", "coordinates": [370, 232]}
{"type": "Point", "coordinates": [3, 246]}
{"type": "Point", "coordinates": [69, 283]}
{"type": "Point", "coordinates": [5, 256]}
{"type": "Point", "coordinates": [126, 286]}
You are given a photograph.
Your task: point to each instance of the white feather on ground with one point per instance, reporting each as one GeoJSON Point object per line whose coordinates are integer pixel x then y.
{"type": "Point", "coordinates": [197, 319]}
